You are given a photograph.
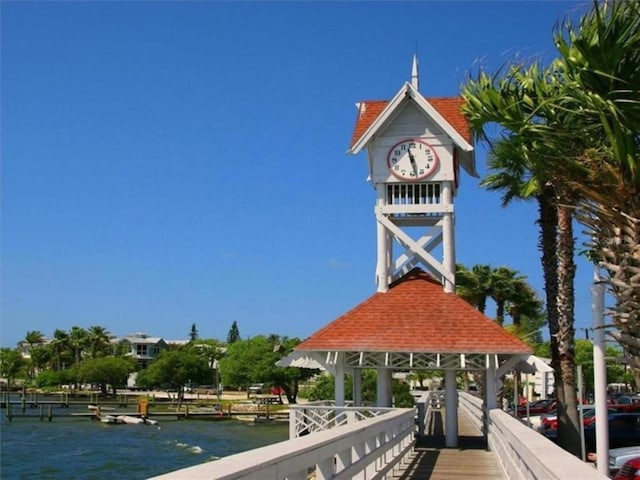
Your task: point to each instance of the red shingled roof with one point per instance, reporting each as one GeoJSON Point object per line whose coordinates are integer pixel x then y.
{"type": "Point", "coordinates": [415, 315]}
{"type": "Point", "coordinates": [448, 107]}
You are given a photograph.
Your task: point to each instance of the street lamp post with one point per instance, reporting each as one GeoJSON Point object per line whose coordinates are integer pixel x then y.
{"type": "Point", "coordinates": [600, 375]}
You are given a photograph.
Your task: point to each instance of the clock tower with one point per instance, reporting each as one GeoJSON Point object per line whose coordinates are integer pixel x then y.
{"type": "Point", "coordinates": [415, 147]}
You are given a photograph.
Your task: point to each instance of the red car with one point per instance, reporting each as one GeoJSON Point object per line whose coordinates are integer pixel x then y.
{"type": "Point", "coordinates": [626, 404]}
{"type": "Point", "coordinates": [629, 471]}
{"type": "Point", "coordinates": [550, 421]}
{"type": "Point", "coordinates": [538, 407]}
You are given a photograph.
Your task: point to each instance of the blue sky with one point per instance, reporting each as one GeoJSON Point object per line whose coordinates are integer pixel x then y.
{"type": "Point", "coordinates": [171, 163]}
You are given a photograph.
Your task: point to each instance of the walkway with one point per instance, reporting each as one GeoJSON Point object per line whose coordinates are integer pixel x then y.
{"type": "Point", "coordinates": [432, 461]}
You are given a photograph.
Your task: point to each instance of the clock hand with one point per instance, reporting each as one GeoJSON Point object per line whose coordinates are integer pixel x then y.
{"type": "Point", "coordinates": [413, 161]}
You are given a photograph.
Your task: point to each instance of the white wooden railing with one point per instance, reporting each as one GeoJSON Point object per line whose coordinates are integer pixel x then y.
{"type": "Point", "coordinates": [372, 448]}
{"type": "Point", "coordinates": [319, 416]}
{"type": "Point", "coordinates": [521, 452]}
{"type": "Point", "coordinates": [371, 442]}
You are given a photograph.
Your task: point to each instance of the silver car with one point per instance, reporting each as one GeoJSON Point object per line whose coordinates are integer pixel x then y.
{"type": "Point", "coordinates": [619, 456]}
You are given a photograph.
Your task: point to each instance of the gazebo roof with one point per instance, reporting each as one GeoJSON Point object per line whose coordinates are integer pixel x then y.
{"type": "Point", "coordinates": [415, 315]}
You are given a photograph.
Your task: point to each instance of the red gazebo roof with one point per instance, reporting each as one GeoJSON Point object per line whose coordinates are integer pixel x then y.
{"type": "Point", "coordinates": [415, 315]}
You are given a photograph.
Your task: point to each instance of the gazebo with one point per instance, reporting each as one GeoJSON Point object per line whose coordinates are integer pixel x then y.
{"type": "Point", "coordinates": [414, 325]}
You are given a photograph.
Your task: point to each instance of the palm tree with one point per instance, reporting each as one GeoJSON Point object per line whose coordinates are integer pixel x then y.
{"type": "Point", "coordinates": [34, 339]}
{"type": "Point", "coordinates": [78, 342]}
{"type": "Point", "coordinates": [475, 285]}
{"type": "Point", "coordinates": [98, 341]}
{"type": "Point", "coordinates": [585, 110]}
{"type": "Point", "coordinates": [60, 346]}
{"type": "Point", "coordinates": [516, 163]}
{"type": "Point", "coordinates": [526, 310]}
{"type": "Point", "coordinates": [504, 284]}
{"type": "Point", "coordinates": [516, 173]}
{"type": "Point", "coordinates": [600, 64]}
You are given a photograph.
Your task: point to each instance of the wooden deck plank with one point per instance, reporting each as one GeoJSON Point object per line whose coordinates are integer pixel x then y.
{"type": "Point", "coordinates": [431, 460]}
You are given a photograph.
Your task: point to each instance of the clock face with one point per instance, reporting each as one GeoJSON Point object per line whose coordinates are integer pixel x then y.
{"type": "Point", "coordinates": [412, 159]}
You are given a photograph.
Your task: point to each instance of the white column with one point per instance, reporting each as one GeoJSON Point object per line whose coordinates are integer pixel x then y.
{"type": "Point", "coordinates": [451, 408]}
{"type": "Point", "coordinates": [448, 238]}
{"type": "Point", "coordinates": [339, 390]}
{"type": "Point", "coordinates": [489, 390]}
{"type": "Point", "coordinates": [383, 384]}
{"type": "Point", "coordinates": [600, 375]}
{"type": "Point", "coordinates": [382, 267]}
{"type": "Point", "coordinates": [490, 383]}
{"type": "Point", "coordinates": [357, 387]}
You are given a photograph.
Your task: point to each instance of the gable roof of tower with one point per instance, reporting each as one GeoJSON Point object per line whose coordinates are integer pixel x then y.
{"type": "Point", "coordinates": [415, 315]}
{"type": "Point", "coordinates": [447, 107]}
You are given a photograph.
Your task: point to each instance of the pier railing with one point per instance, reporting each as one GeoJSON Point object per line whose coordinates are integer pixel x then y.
{"type": "Point", "coordinates": [319, 416]}
{"type": "Point", "coordinates": [371, 448]}
{"type": "Point", "coordinates": [520, 451]}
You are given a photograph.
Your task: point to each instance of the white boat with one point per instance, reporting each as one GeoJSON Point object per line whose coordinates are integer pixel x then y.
{"type": "Point", "coordinates": [110, 419]}
{"type": "Point", "coordinates": [128, 419]}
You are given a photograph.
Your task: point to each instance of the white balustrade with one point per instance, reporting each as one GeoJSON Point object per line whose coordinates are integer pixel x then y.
{"type": "Point", "coordinates": [370, 448]}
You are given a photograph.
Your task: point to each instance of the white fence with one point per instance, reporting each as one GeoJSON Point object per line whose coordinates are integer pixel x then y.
{"type": "Point", "coordinates": [319, 416]}
{"type": "Point", "coordinates": [521, 452]}
{"type": "Point", "coordinates": [368, 449]}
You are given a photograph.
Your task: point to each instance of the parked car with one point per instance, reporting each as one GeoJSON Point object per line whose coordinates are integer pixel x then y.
{"type": "Point", "coordinates": [537, 408]}
{"type": "Point", "coordinates": [619, 456]}
{"type": "Point", "coordinates": [630, 470]}
{"type": "Point", "coordinates": [206, 389]}
{"type": "Point", "coordinates": [258, 388]}
{"type": "Point", "coordinates": [624, 431]}
{"type": "Point", "coordinates": [550, 420]}
{"type": "Point", "coordinates": [626, 403]}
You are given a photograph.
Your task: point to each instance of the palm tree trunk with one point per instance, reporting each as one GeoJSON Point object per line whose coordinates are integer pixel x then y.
{"type": "Point", "coordinates": [617, 243]}
{"type": "Point", "coordinates": [568, 418]}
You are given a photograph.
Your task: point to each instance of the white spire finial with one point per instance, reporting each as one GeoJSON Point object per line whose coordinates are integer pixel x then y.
{"type": "Point", "coordinates": [414, 72]}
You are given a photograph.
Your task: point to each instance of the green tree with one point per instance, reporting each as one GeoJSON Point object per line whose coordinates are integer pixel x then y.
{"type": "Point", "coordinates": [234, 333]}
{"type": "Point", "coordinates": [600, 67]}
{"type": "Point", "coordinates": [254, 361]}
{"type": "Point", "coordinates": [107, 371]}
{"type": "Point", "coordinates": [34, 339]}
{"type": "Point", "coordinates": [324, 389]}
{"type": "Point", "coordinates": [517, 164]}
{"type": "Point", "coordinates": [504, 285]}
{"type": "Point", "coordinates": [56, 378]}
{"type": "Point", "coordinates": [78, 342]}
{"type": "Point", "coordinates": [61, 351]}
{"type": "Point", "coordinates": [98, 341]}
{"type": "Point", "coordinates": [11, 364]}
{"type": "Point", "coordinates": [580, 118]}
{"type": "Point", "coordinates": [289, 378]}
{"type": "Point", "coordinates": [176, 368]}
{"type": "Point", "coordinates": [475, 285]}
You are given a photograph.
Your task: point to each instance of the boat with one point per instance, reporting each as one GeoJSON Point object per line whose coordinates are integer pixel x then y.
{"type": "Point", "coordinates": [129, 420]}
{"type": "Point", "coordinates": [110, 419]}
{"type": "Point", "coordinates": [126, 420]}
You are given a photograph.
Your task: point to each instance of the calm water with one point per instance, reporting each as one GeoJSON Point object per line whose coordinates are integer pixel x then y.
{"type": "Point", "coordinates": [79, 448]}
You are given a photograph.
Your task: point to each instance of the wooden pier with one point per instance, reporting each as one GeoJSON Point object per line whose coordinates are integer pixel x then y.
{"type": "Point", "coordinates": [60, 405]}
{"type": "Point", "coordinates": [431, 460]}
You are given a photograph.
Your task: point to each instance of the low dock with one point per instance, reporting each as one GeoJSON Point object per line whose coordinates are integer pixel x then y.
{"type": "Point", "coordinates": [48, 407]}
